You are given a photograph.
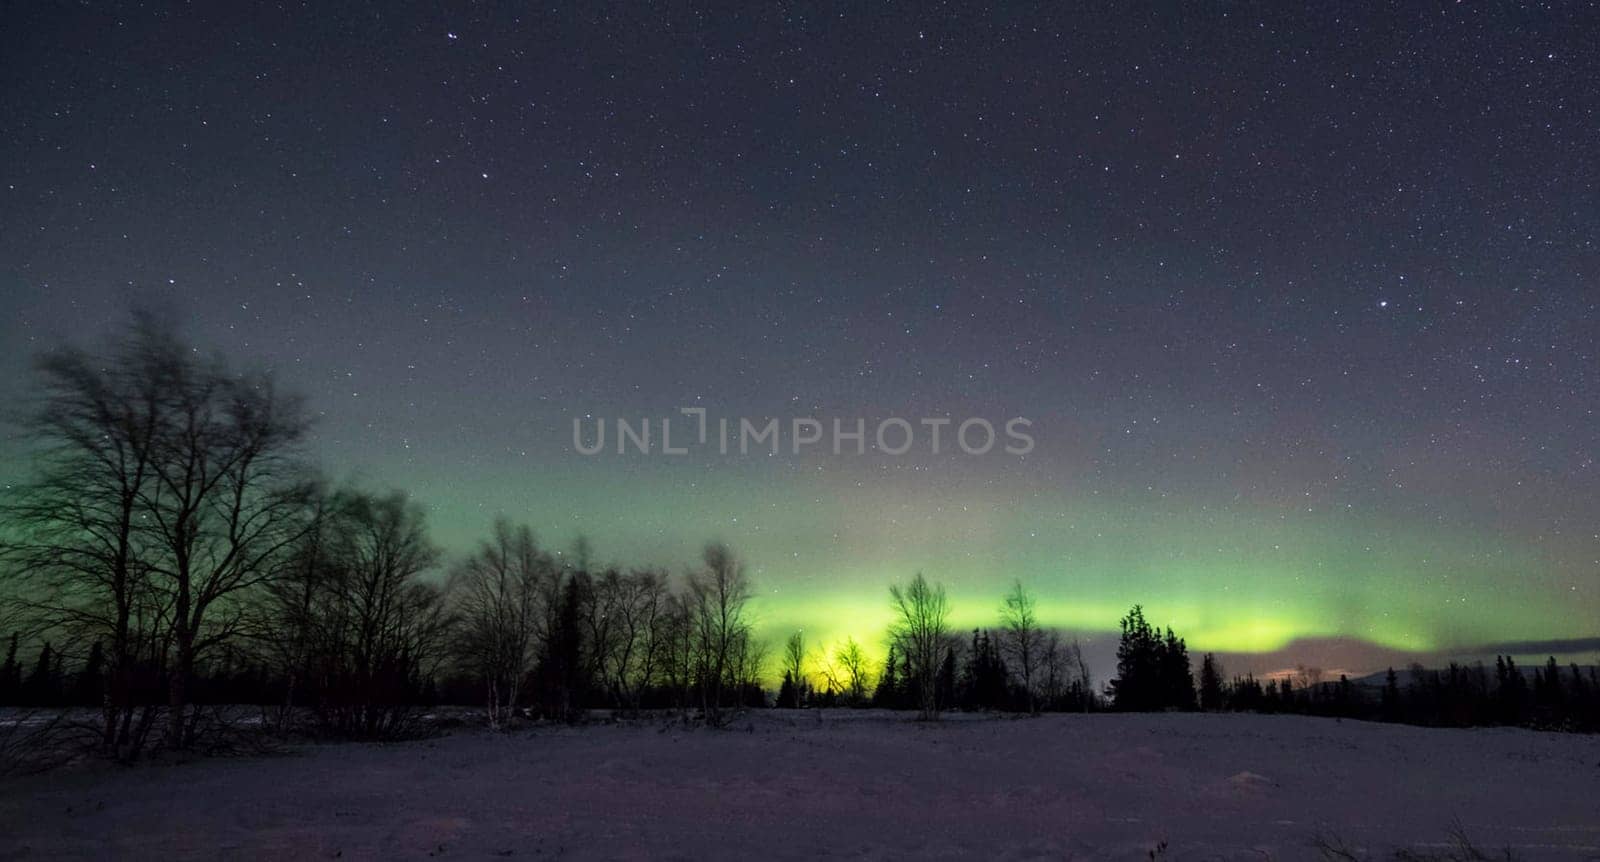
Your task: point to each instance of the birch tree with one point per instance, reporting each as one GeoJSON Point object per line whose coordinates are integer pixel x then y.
{"type": "Point", "coordinates": [718, 594]}
{"type": "Point", "coordinates": [496, 594]}
{"type": "Point", "coordinates": [921, 632]}
{"type": "Point", "coordinates": [1022, 638]}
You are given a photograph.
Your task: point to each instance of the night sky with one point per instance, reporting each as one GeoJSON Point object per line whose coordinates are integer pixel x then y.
{"type": "Point", "coordinates": [1302, 305]}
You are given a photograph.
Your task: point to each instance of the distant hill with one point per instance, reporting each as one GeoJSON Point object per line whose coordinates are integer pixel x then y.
{"type": "Point", "coordinates": [1404, 675]}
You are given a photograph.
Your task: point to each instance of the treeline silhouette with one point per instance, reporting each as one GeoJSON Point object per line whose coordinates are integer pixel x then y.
{"type": "Point", "coordinates": [175, 551]}
{"type": "Point", "coordinates": [174, 548]}
{"type": "Point", "coordinates": [1459, 695]}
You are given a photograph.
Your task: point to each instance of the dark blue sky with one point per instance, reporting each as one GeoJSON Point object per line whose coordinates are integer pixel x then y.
{"type": "Point", "coordinates": [1259, 275]}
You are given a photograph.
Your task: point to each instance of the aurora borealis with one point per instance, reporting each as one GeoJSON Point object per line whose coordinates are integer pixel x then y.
{"type": "Point", "coordinates": [1302, 304]}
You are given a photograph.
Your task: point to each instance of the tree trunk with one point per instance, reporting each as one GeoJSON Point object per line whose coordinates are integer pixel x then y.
{"type": "Point", "coordinates": [178, 692]}
{"type": "Point", "coordinates": [111, 697]}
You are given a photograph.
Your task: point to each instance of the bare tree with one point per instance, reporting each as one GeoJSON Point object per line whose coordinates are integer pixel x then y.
{"type": "Point", "coordinates": [381, 630]}
{"type": "Point", "coordinates": [747, 664]}
{"type": "Point", "coordinates": [602, 597]}
{"type": "Point", "coordinates": [495, 595]}
{"type": "Point", "coordinates": [223, 507]}
{"type": "Point", "coordinates": [563, 600]}
{"type": "Point", "coordinates": [832, 676]}
{"type": "Point", "coordinates": [681, 662]}
{"type": "Point", "coordinates": [73, 546]}
{"type": "Point", "coordinates": [168, 493]}
{"type": "Point", "coordinates": [638, 603]}
{"type": "Point", "coordinates": [1085, 680]}
{"type": "Point", "coordinates": [284, 626]}
{"type": "Point", "coordinates": [1021, 637]}
{"type": "Point", "coordinates": [1053, 669]}
{"type": "Point", "coordinates": [718, 594]}
{"type": "Point", "coordinates": [921, 633]}
{"type": "Point", "coordinates": [794, 664]}
{"type": "Point", "coordinates": [853, 663]}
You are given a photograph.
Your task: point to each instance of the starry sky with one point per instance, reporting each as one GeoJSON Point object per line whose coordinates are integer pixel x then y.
{"type": "Point", "coordinates": [1302, 303]}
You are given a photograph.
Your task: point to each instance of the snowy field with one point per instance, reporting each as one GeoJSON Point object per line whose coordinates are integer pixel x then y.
{"type": "Point", "coordinates": [852, 785]}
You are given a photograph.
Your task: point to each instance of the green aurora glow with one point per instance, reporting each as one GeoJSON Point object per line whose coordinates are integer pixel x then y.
{"type": "Point", "coordinates": [822, 548]}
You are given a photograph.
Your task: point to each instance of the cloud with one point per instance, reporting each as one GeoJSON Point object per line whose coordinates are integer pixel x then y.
{"type": "Point", "coordinates": [1546, 647]}
{"type": "Point", "coordinates": [1356, 657]}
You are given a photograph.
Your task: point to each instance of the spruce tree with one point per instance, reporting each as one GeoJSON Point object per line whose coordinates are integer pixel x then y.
{"type": "Point", "coordinates": [1553, 695]}
{"type": "Point", "coordinates": [1391, 696]}
{"type": "Point", "coordinates": [1513, 694]}
{"type": "Point", "coordinates": [11, 677]}
{"type": "Point", "coordinates": [886, 695]}
{"type": "Point", "coordinates": [1136, 686]}
{"type": "Point", "coordinates": [1210, 684]}
{"type": "Point", "coordinates": [1177, 682]}
{"type": "Point", "coordinates": [1344, 697]}
{"type": "Point", "coordinates": [88, 687]}
{"type": "Point", "coordinates": [41, 688]}
{"type": "Point", "coordinates": [788, 697]}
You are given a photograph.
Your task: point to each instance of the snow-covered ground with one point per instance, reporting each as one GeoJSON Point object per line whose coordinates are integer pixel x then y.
{"type": "Point", "coordinates": [803, 785]}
